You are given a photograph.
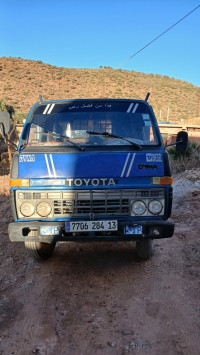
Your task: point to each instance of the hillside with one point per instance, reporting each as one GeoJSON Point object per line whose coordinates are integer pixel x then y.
{"type": "Point", "coordinates": [21, 82]}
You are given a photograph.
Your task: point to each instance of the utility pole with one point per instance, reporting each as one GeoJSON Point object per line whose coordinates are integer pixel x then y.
{"type": "Point", "coordinates": [168, 114]}
{"type": "Point", "coordinates": [198, 103]}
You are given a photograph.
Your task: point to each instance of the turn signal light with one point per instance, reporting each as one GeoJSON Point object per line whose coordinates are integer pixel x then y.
{"type": "Point", "coordinates": [164, 180]}
{"type": "Point", "coordinates": [19, 182]}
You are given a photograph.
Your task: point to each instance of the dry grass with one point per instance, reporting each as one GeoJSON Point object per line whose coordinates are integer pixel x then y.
{"type": "Point", "coordinates": [21, 82]}
{"type": "Point", "coordinates": [194, 121]}
{"type": "Point", "coordinates": [183, 163]}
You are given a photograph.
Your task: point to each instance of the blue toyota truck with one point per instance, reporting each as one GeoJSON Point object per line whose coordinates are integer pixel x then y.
{"type": "Point", "coordinates": [90, 170]}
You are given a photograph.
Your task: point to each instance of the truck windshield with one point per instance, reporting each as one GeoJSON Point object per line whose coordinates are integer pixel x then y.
{"type": "Point", "coordinates": [76, 120]}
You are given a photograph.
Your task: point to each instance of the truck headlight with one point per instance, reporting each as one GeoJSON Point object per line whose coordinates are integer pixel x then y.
{"type": "Point", "coordinates": [138, 207]}
{"type": "Point", "coordinates": [27, 209]}
{"type": "Point", "coordinates": [155, 207]}
{"type": "Point", "coordinates": [43, 209]}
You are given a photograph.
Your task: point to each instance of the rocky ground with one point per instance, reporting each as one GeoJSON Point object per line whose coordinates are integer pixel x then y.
{"type": "Point", "coordinates": [97, 299]}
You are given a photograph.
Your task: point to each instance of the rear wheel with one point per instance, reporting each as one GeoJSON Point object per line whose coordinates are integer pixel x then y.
{"type": "Point", "coordinates": [145, 248]}
{"type": "Point", "coordinates": [40, 251]}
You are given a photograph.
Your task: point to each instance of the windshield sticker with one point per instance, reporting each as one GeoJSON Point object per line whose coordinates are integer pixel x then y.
{"type": "Point", "coordinates": [129, 108]}
{"type": "Point", "coordinates": [73, 107]}
{"type": "Point", "coordinates": [86, 106]}
{"type": "Point", "coordinates": [28, 158]}
{"type": "Point", "coordinates": [48, 109]}
{"type": "Point", "coordinates": [154, 157]}
{"type": "Point", "coordinates": [135, 108]}
{"type": "Point", "coordinates": [90, 106]}
{"type": "Point", "coordinates": [132, 106]}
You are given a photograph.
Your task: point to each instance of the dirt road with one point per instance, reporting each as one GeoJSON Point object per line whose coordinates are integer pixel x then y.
{"type": "Point", "coordinates": [97, 299]}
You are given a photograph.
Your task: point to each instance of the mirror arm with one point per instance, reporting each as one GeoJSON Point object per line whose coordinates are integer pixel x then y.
{"type": "Point", "coordinates": [13, 144]}
{"type": "Point", "coordinates": [171, 144]}
{"type": "Point", "coordinates": [2, 130]}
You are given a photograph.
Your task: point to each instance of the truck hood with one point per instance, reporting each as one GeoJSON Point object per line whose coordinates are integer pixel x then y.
{"type": "Point", "coordinates": [90, 165]}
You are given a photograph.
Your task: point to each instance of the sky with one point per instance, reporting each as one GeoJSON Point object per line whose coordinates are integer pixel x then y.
{"type": "Point", "coordinates": [94, 33]}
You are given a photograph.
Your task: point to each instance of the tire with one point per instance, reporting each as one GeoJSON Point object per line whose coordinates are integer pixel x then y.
{"type": "Point", "coordinates": [40, 251]}
{"type": "Point", "coordinates": [145, 248]}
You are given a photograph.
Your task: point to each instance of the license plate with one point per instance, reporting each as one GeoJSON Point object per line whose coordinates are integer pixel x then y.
{"type": "Point", "coordinates": [133, 230]}
{"type": "Point", "coordinates": [49, 230]}
{"type": "Point", "coordinates": [90, 226]}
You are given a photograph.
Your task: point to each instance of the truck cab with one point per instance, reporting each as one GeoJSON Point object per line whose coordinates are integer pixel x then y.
{"type": "Point", "coordinates": [90, 170]}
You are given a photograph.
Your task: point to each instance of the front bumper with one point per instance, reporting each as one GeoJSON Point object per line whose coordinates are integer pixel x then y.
{"type": "Point", "coordinates": [30, 231]}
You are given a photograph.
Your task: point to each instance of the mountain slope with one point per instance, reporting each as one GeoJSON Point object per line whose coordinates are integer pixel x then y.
{"type": "Point", "coordinates": [21, 82]}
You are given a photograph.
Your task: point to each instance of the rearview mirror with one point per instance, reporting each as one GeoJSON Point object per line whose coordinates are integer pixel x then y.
{"type": "Point", "coordinates": [181, 141]}
{"type": "Point", "coordinates": [5, 120]}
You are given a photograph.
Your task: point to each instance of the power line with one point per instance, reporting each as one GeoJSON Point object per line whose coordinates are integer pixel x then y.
{"type": "Point", "coordinates": [148, 44]}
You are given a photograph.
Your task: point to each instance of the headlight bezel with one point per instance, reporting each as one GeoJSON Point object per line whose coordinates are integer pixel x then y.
{"type": "Point", "coordinates": [142, 203]}
{"type": "Point", "coordinates": [28, 203]}
{"type": "Point", "coordinates": [47, 206]}
{"type": "Point", "coordinates": [155, 213]}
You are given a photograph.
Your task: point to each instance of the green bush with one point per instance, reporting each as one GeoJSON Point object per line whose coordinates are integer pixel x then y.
{"type": "Point", "coordinates": [5, 107]}
{"type": "Point", "coordinates": [193, 150]}
{"type": "Point", "coordinates": [20, 117]}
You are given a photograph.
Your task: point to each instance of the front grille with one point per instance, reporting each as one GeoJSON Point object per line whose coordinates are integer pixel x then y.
{"type": "Point", "coordinates": [93, 202]}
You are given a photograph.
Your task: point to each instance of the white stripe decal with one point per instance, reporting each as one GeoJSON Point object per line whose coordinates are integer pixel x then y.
{"type": "Point", "coordinates": [51, 108]}
{"type": "Point", "coordinates": [131, 164]}
{"type": "Point", "coordinates": [46, 109]}
{"type": "Point", "coordinates": [47, 163]}
{"type": "Point", "coordinates": [135, 108]}
{"type": "Point", "coordinates": [125, 164]}
{"type": "Point", "coordinates": [130, 107]}
{"type": "Point", "coordinates": [52, 164]}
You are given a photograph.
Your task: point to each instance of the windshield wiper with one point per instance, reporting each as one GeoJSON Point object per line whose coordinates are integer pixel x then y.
{"type": "Point", "coordinates": [109, 135]}
{"type": "Point", "coordinates": [52, 134]}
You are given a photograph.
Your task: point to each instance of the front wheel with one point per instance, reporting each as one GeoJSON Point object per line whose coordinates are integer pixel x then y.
{"type": "Point", "coordinates": [145, 248]}
{"type": "Point", "coordinates": [40, 251]}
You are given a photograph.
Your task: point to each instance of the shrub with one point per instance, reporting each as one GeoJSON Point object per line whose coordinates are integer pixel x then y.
{"type": "Point", "coordinates": [20, 117]}
{"type": "Point", "coordinates": [5, 107]}
{"type": "Point", "coordinates": [181, 161]}
{"type": "Point", "coordinates": [192, 150]}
